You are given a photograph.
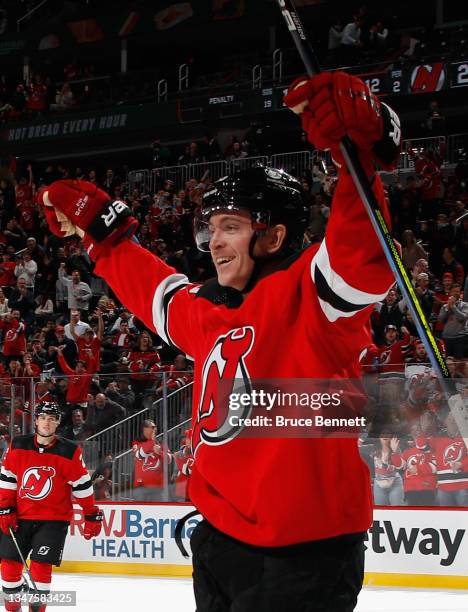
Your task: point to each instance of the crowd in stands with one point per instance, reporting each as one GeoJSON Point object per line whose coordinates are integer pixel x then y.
{"type": "Point", "coordinates": [62, 328]}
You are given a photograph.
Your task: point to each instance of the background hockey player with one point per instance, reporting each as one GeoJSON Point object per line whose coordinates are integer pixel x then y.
{"type": "Point", "coordinates": [38, 477]}
{"type": "Point", "coordinates": [284, 518]}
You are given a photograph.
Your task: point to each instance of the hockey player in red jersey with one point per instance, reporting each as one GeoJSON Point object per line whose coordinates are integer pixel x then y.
{"type": "Point", "coordinates": [38, 477]}
{"type": "Point", "coordinates": [284, 518]}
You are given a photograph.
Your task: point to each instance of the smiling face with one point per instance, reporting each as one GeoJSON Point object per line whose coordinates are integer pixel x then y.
{"type": "Point", "coordinates": [229, 248]}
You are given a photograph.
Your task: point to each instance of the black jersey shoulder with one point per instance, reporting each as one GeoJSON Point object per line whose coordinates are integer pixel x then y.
{"type": "Point", "coordinates": [62, 447]}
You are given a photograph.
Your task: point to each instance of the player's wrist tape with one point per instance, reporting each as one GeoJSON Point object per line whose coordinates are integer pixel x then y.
{"type": "Point", "coordinates": [5, 511]}
{"type": "Point", "coordinates": [111, 215]}
{"type": "Point", "coordinates": [387, 148]}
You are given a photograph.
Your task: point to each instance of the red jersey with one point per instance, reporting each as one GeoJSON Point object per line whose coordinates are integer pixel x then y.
{"type": "Point", "coordinates": [448, 450]}
{"type": "Point", "coordinates": [78, 384]}
{"type": "Point", "coordinates": [316, 306]}
{"type": "Point", "coordinates": [421, 457]}
{"type": "Point", "coordinates": [393, 357]}
{"type": "Point", "coordinates": [23, 193]}
{"type": "Point", "coordinates": [14, 340]}
{"type": "Point", "coordinates": [141, 362]}
{"type": "Point", "coordinates": [26, 219]}
{"type": "Point", "coordinates": [37, 97]}
{"type": "Point", "coordinates": [90, 353]}
{"type": "Point", "coordinates": [40, 480]}
{"type": "Point", "coordinates": [7, 273]}
{"type": "Point", "coordinates": [148, 463]}
{"type": "Point", "coordinates": [184, 462]}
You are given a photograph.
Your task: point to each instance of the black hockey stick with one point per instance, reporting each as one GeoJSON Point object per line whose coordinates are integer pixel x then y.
{"type": "Point", "coordinates": [23, 561]}
{"type": "Point", "coordinates": [371, 204]}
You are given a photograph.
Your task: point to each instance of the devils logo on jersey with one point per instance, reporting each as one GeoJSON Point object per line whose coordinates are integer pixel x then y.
{"type": "Point", "coordinates": [151, 462]}
{"type": "Point", "coordinates": [226, 362]}
{"type": "Point", "coordinates": [36, 482]}
{"type": "Point", "coordinates": [453, 453]}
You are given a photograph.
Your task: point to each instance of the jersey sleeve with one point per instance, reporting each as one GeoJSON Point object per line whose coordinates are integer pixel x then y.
{"type": "Point", "coordinates": [153, 291]}
{"type": "Point", "coordinates": [8, 479]}
{"type": "Point", "coordinates": [349, 269]}
{"type": "Point", "coordinates": [79, 480]}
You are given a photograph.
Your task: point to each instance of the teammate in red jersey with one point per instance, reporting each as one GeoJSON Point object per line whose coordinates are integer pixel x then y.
{"type": "Point", "coordinates": [284, 518]}
{"type": "Point", "coordinates": [38, 477]}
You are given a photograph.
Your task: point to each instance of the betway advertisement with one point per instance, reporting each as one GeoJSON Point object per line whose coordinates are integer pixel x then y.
{"type": "Point", "coordinates": [401, 541]}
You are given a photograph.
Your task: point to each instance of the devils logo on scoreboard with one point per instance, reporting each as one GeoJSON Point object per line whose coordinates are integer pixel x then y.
{"type": "Point", "coordinates": [36, 482]}
{"type": "Point", "coordinates": [224, 372]}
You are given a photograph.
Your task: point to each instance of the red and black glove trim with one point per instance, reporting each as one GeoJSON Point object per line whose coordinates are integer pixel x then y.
{"type": "Point", "coordinates": [6, 511]}
{"type": "Point", "coordinates": [96, 517]}
{"type": "Point", "coordinates": [387, 149]}
{"type": "Point", "coordinates": [111, 216]}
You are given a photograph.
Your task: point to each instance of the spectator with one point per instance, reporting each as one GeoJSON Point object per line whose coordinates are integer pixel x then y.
{"type": "Point", "coordinates": [37, 96]}
{"type": "Point", "coordinates": [89, 344]}
{"type": "Point", "coordinates": [387, 313]}
{"type": "Point", "coordinates": [104, 413]}
{"type": "Point", "coordinates": [64, 99]}
{"type": "Point", "coordinates": [45, 308]}
{"type": "Point", "coordinates": [120, 392]}
{"type": "Point", "coordinates": [102, 483]}
{"type": "Point", "coordinates": [335, 36]}
{"type": "Point", "coordinates": [148, 480]}
{"type": "Point", "coordinates": [14, 337]}
{"type": "Point", "coordinates": [79, 293]}
{"type": "Point", "coordinates": [123, 339]}
{"type": "Point", "coordinates": [435, 121]}
{"type": "Point", "coordinates": [452, 266]}
{"type": "Point", "coordinates": [79, 326]}
{"type": "Point", "coordinates": [454, 315]}
{"type": "Point", "coordinates": [55, 338]}
{"type": "Point", "coordinates": [77, 430]}
{"type": "Point", "coordinates": [125, 316]}
{"type": "Point", "coordinates": [79, 381]}
{"type": "Point", "coordinates": [7, 271]}
{"type": "Point", "coordinates": [452, 465]}
{"type": "Point", "coordinates": [412, 250]}
{"type": "Point", "coordinates": [425, 295]}
{"type": "Point", "coordinates": [351, 44]}
{"type": "Point", "coordinates": [110, 181]}
{"type": "Point", "coordinates": [378, 37]}
{"type": "Point", "coordinates": [388, 484]}
{"type": "Point", "coordinates": [26, 268]}
{"type": "Point", "coordinates": [419, 470]}
{"type": "Point", "coordinates": [3, 304]}
{"type": "Point", "coordinates": [160, 154]}
{"type": "Point", "coordinates": [182, 465]}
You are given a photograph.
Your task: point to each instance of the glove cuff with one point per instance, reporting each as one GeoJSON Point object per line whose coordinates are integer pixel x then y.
{"type": "Point", "coordinates": [115, 217]}
{"type": "Point", "coordinates": [6, 511]}
{"type": "Point", "coordinates": [387, 149]}
{"type": "Point", "coordinates": [94, 515]}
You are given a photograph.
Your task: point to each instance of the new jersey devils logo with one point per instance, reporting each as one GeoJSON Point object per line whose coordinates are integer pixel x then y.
{"type": "Point", "coordinates": [226, 362]}
{"type": "Point", "coordinates": [151, 462]}
{"type": "Point", "coordinates": [36, 482]}
{"type": "Point", "coordinates": [453, 453]}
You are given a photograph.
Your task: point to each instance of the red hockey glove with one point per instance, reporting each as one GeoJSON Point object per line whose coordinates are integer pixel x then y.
{"type": "Point", "coordinates": [334, 104]}
{"type": "Point", "coordinates": [8, 518]}
{"type": "Point", "coordinates": [79, 207]}
{"type": "Point", "coordinates": [93, 523]}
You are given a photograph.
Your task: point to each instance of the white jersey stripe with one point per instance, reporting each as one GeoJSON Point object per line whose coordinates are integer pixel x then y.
{"type": "Point", "coordinates": [338, 284]}
{"type": "Point", "coordinates": [83, 479]}
{"type": "Point", "coordinates": [159, 315]}
{"type": "Point", "coordinates": [84, 493]}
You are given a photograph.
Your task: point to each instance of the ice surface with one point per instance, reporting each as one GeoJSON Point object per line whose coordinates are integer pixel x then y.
{"type": "Point", "coordinates": [137, 594]}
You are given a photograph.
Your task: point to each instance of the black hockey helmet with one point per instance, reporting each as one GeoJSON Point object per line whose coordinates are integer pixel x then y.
{"type": "Point", "coordinates": [47, 407]}
{"type": "Point", "coordinates": [270, 195]}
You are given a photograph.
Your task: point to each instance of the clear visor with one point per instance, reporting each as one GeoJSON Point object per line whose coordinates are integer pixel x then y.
{"type": "Point", "coordinates": [204, 228]}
